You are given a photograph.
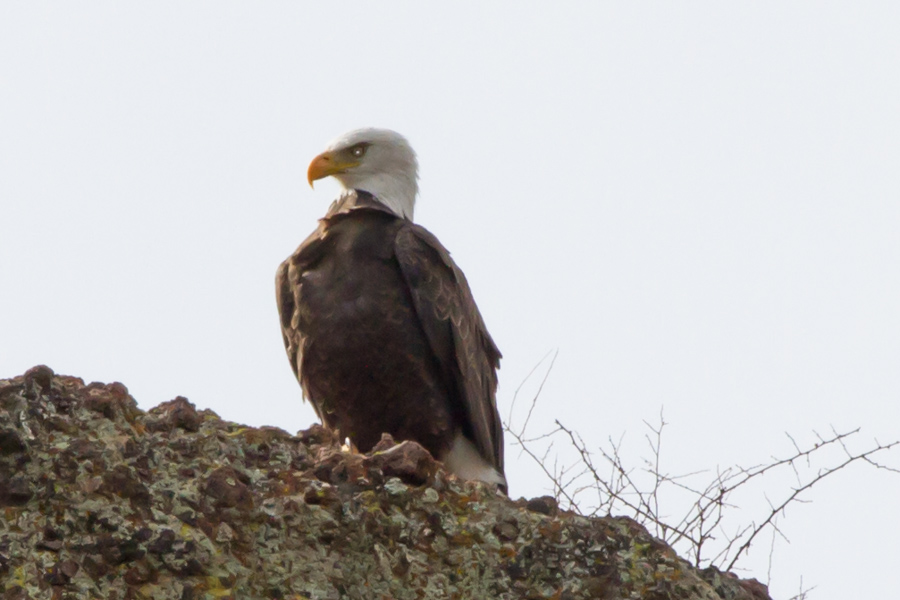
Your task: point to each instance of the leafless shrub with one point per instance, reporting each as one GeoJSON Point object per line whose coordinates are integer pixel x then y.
{"type": "Point", "coordinates": [602, 481]}
{"type": "Point", "coordinates": [803, 594]}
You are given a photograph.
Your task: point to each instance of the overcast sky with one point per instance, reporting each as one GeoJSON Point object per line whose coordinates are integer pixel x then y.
{"type": "Point", "coordinates": [698, 206]}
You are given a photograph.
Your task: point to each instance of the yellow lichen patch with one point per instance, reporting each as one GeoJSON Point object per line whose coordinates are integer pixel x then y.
{"type": "Point", "coordinates": [215, 588]}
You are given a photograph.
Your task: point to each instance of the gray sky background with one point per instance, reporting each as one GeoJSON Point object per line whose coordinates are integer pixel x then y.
{"type": "Point", "coordinates": [698, 206]}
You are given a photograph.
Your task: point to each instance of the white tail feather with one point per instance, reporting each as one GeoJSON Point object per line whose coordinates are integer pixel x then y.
{"type": "Point", "coordinates": [464, 461]}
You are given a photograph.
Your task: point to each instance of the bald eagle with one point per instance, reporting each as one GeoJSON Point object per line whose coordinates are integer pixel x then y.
{"type": "Point", "coordinates": [379, 323]}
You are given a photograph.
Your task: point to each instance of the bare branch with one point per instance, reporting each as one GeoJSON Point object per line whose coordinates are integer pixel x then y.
{"type": "Point", "coordinates": [797, 491]}
{"type": "Point", "coordinates": [602, 482]}
{"type": "Point", "coordinates": [706, 530]}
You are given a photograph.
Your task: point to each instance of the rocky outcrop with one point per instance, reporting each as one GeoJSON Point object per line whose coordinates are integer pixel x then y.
{"type": "Point", "coordinates": [103, 500]}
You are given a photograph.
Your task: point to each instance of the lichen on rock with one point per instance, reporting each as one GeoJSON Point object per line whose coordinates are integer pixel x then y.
{"type": "Point", "coordinates": [103, 500]}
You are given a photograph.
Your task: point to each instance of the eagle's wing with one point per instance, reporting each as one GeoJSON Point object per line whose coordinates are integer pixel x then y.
{"type": "Point", "coordinates": [287, 294]}
{"type": "Point", "coordinates": [456, 333]}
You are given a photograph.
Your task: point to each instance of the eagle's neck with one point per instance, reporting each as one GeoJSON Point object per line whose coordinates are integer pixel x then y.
{"type": "Point", "coordinates": [397, 191]}
{"type": "Point", "coordinates": [351, 200]}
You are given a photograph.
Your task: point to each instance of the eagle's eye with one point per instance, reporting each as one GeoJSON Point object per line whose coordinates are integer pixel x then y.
{"type": "Point", "coordinates": [358, 150]}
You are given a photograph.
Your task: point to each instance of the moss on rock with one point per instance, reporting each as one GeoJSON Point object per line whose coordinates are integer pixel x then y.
{"type": "Point", "coordinates": [103, 500]}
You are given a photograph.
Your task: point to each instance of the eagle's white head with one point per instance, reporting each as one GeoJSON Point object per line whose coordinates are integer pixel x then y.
{"type": "Point", "coordinates": [378, 161]}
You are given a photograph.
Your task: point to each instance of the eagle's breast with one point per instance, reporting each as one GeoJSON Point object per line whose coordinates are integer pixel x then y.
{"type": "Point", "coordinates": [366, 363]}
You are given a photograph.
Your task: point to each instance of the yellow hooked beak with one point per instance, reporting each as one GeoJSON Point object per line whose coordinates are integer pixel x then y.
{"type": "Point", "coordinates": [325, 164]}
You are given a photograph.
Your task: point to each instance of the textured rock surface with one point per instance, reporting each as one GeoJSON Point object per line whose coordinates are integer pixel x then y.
{"type": "Point", "coordinates": [103, 500]}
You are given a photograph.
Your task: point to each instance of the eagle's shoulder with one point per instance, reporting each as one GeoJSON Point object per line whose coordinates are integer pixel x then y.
{"type": "Point", "coordinates": [427, 263]}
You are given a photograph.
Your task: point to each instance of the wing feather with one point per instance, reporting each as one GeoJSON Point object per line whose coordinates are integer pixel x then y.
{"type": "Point", "coordinates": [456, 333]}
{"type": "Point", "coordinates": [288, 291]}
